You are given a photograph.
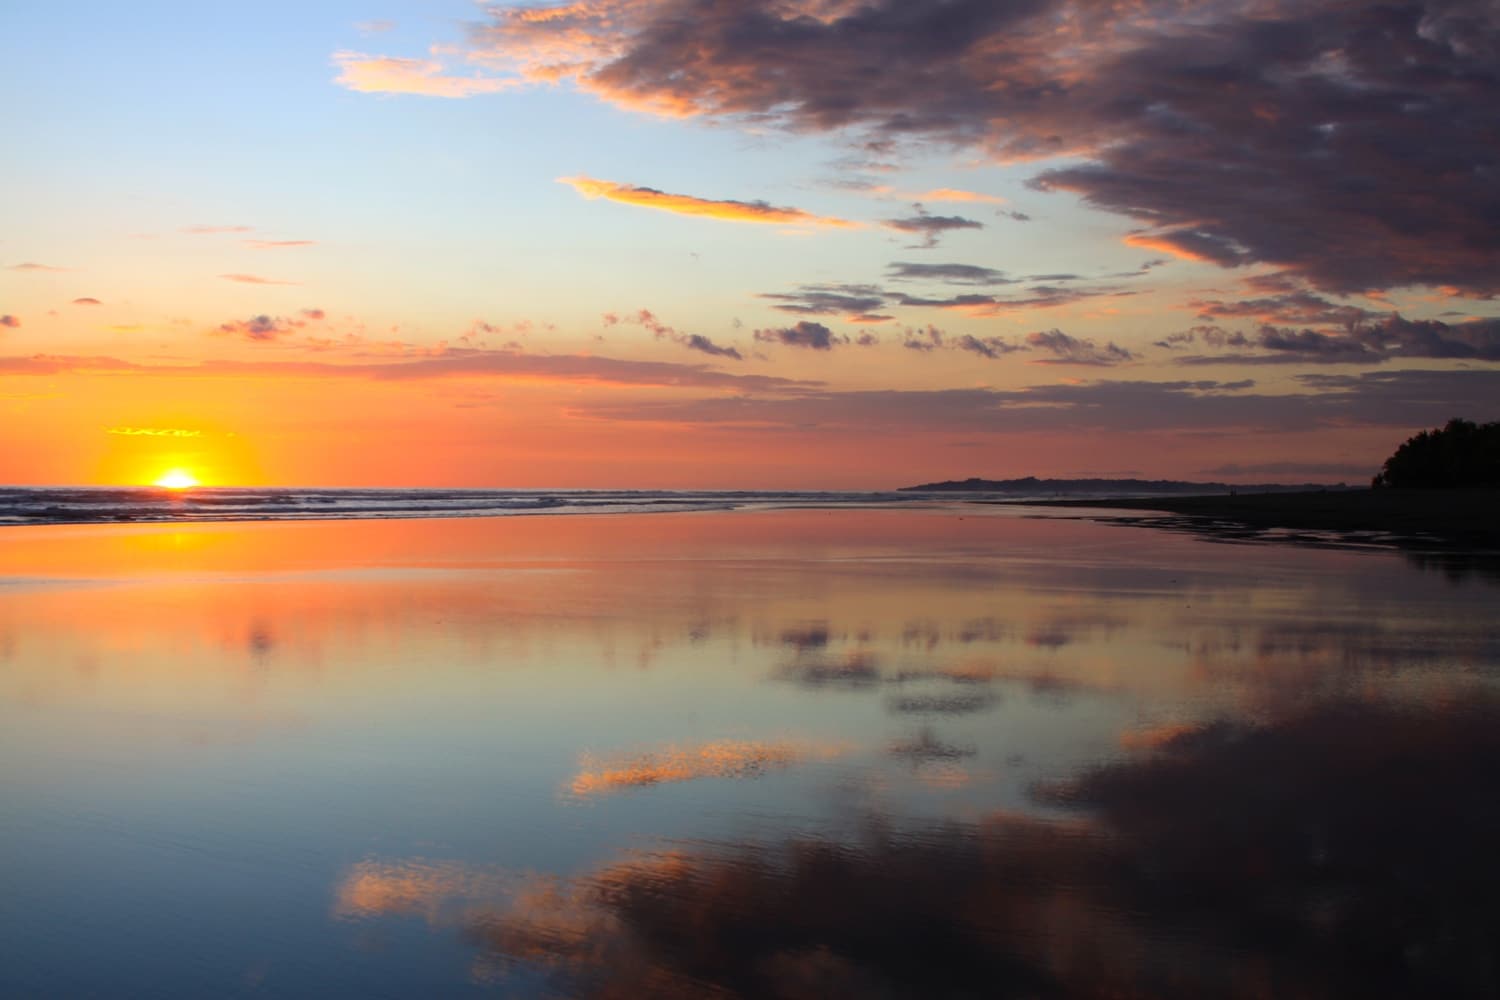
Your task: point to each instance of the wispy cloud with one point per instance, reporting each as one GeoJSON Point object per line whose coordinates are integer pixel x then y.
{"type": "Point", "coordinates": [424, 77]}
{"type": "Point", "coordinates": [1068, 350]}
{"type": "Point", "coordinates": [278, 244]}
{"type": "Point", "coordinates": [930, 228]}
{"type": "Point", "coordinates": [87, 300]}
{"type": "Point", "coordinates": [958, 195]}
{"type": "Point", "coordinates": [856, 303]}
{"type": "Point", "coordinates": [254, 279]}
{"type": "Point", "coordinates": [10, 321]}
{"type": "Point", "coordinates": [451, 363]}
{"type": "Point", "coordinates": [34, 266]}
{"type": "Point", "coordinates": [931, 339]}
{"type": "Point", "coordinates": [174, 432]}
{"type": "Point", "coordinates": [213, 230]}
{"type": "Point", "coordinates": [661, 331]}
{"type": "Point", "coordinates": [948, 274]}
{"type": "Point", "coordinates": [684, 204]}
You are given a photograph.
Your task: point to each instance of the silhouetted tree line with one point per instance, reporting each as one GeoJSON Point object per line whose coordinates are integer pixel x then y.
{"type": "Point", "coordinates": [1461, 454]}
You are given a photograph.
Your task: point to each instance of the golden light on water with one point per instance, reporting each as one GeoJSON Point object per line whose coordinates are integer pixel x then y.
{"type": "Point", "coordinates": [177, 479]}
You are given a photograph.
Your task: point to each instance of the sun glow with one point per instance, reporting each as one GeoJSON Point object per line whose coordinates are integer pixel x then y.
{"type": "Point", "coordinates": [177, 479]}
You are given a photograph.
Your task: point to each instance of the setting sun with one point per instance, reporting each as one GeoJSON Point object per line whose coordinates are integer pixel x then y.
{"type": "Point", "coordinates": [177, 479]}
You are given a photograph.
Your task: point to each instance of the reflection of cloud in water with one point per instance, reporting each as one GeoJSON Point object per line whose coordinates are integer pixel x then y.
{"type": "Point", "coordinates": [814, 636]}
{"type": "Point", "coordinates": [1346, 851]}
{"type": "Point", "coordinates": [961, 703]}
{"type": "Point", "coordinates": [925, 747]}
{"type": "Point", "coordinates": [719, 759]}
{"type": "Point", "coordinates": [429, 889]}
{"type": "Point", "coordinates": [857, 670]}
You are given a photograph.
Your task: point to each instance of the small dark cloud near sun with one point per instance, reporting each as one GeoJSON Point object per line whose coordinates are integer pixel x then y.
{"type": "Point", "coordinates": [806, 333]}
{"type": "Point", "coordinates": [87, 300]}
{"type": "Point", "coordinates": [11, 322]}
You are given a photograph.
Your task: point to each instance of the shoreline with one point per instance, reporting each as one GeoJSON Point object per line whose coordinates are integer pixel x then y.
{"type": "Point", "coordinates": [1462, 519]}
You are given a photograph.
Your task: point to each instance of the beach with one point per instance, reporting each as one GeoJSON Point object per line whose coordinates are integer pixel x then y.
{"type": "Point", "coordinates": [889, 751]}
{"type": "Point", "coordinates": [1449, 519]}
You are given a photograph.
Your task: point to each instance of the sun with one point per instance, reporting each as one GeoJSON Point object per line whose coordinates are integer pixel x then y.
{"type": "Point", "coordinates": [177, 479]}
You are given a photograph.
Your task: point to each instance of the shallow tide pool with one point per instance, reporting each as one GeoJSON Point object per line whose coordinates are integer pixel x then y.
{"type": "Point", "coordinates": [930, 752]}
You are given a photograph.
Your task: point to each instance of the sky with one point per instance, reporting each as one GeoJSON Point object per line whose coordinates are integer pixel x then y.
{"type": "Point", "coordinates": [712, 244]}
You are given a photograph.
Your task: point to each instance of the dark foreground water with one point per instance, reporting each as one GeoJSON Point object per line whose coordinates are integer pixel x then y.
{"type": "Point", "coordinates": [797, 753]}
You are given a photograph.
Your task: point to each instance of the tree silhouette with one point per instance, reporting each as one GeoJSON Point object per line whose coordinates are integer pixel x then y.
{"type": "Point", "coordinates": [1460, 454]}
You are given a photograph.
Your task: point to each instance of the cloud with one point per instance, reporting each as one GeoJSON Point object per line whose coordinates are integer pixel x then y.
{"type": "Point", "coordinates": [932, 339]}
{"type": "Point", "coordinates": [262, 328]}
{"type": "Point", "coordinates": [1068, 350]}
{"type": "Point", "coordinates": [1366, 342]}
{"type": "Point", "coordinates": [31, 265]}
{"type": "Point", "coordinates": [805, 334]}
{"type": "Point", "coordinates": [1354, 144]}
{"type": "Point", "coordinates": [279, 244]}
{"type": "Point", "coordinates": [856, 303]}
{"type": "Point", "coordinates": [1288, 307]}
{"type": "Point", "coordinates": [424, 77]}
{"type": "Point", "coordinates": [447, 363]}
{"type": "Point", "coordinates": [661, 331]}
{"type": "Point", "coordinates": [683, 204]}
{"type": "Point", "coordinates": [949, 274]}
{"type": "Point", "coordinates": [87, 301]}
{"type": "Point", "coordinates": [314, 313]}
{"type": "Point", "coordinates": [175, 432]}
{"type": "Point", "coordinates": [211, 230]}
{"type": "Point", "coordinates": [376, 27]}
{"type": "Point", "coordinates": [958, 195]}
{"type": "Point", "coordinates": [930, 228]}
{"type": "Point", "coordinates": [10, 321]}
{"type": "Point", "coordinates": [254, 279]}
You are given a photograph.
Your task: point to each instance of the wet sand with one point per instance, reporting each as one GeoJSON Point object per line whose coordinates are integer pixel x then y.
{"type": "Point", "coordinates": [1464, 519]}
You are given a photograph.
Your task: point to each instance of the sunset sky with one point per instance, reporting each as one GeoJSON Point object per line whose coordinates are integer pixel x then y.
{"type": "Point", "coordinates": [703, 243]}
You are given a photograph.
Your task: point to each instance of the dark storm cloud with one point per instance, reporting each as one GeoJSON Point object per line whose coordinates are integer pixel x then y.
{"type": "Point", "coordinates": [1068, 350]}
{"type": "Point", "coordinates": [1353, 144]}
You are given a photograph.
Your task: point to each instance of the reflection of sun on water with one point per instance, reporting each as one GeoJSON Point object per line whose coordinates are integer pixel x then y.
{"type": "Point", "coordinates": [176, 479]}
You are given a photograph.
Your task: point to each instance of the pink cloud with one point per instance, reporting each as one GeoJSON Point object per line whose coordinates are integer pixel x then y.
{"type": "Point", "coordinates": [425, 77]}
